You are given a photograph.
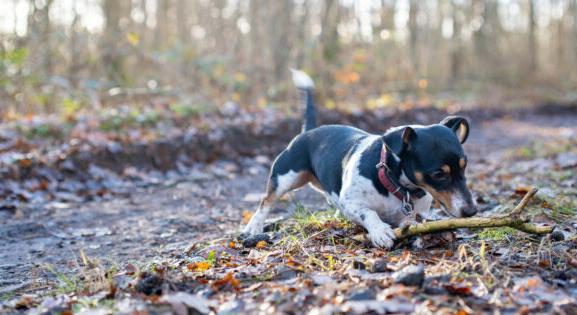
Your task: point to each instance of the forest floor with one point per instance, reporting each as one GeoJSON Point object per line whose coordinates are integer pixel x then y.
{"type": "Point", "coordinates": [170, 244]}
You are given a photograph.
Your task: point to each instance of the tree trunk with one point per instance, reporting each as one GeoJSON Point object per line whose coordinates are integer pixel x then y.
{"type": "Point", "coordinates": [330, 35]}
{"type": "Point", "coordinates": [456, 45]}
{"type": "Point", "coordinates": [532, 40]}
{"type": "Point", "coordinates": [330, 46]}
{"type": "Point", "coordinates": [301, 37]}
{"type": "Point", "coordinates": [46, 38]}
{"type": "Point", "coordinates": [574, 40]}
{"type": "Point", "coordinates": [280, 28]}
{"type": "Point", "coordinates": [413, 37]}
{"type": "Point", "coordinates": [257, 51]}
{"type": "Point", "coordinates": [39, 43]}
{"type": "Point", "coordinates": [161, 34]}
{"type": "Point", "coordinates": [486, 40]}
{"type": "Point", "coordinates": [73, 66]}
{"type": "Point", "coordinates": [183, 22]}
{"type": "Point", "coordinates": [112, 57]}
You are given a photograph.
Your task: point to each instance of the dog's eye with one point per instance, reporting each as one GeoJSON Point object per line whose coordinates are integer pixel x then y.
{"type": "Point", "coordinates": [440, 175]}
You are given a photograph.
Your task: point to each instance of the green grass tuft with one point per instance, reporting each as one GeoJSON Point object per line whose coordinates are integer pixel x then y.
{"type": "Point", "coordinates": [496, 234]}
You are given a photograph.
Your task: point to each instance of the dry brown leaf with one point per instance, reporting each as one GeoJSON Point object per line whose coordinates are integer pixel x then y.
{"type": "Point", "coordinates": [198, 266]}
{"type": "Point", "coordinates": [228, 279]}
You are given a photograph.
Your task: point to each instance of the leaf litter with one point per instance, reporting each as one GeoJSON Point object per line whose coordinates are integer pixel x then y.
{"type": "Point", "coordinates": [317, 263]}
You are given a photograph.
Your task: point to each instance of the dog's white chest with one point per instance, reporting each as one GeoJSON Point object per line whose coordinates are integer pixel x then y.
{"type": "Point", "coordinates": [359, 192]}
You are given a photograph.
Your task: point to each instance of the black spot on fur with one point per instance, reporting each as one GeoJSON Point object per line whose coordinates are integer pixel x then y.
{"type": "Point", "coordinates": [321, 152]}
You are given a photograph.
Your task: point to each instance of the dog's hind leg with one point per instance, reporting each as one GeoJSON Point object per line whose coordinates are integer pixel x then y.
{"type": "Point", "coordinates": [279, 183]}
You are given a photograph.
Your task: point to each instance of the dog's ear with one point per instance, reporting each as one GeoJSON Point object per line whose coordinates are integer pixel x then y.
{"type": "Point", "coordinates": [459, 125]}
{"type": "Point", "coordinates": [408, 136]}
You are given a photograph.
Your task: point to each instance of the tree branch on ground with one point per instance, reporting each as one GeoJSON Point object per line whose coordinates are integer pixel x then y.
{"type": "Point", "coordinates": [514, 219]}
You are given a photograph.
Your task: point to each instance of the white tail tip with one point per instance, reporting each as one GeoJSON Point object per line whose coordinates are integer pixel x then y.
{"type": "Point", "coordinates": [302, 80]}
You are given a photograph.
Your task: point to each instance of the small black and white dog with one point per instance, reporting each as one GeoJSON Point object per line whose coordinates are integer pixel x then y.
{"type": "Point", "coordinates": [377, 181]}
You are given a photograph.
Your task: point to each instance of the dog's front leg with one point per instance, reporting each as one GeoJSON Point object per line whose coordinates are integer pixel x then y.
{"type": "Point", "coordinates": [380, 233]}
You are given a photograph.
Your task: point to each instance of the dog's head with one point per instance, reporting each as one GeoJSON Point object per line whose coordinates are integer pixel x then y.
{"type": "Point", "coordinates": [432, 157]}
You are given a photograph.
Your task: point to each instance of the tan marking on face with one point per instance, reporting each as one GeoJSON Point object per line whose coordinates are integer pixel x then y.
{"type": "Point", "coordinates": [419, 177]}
{"type": "Point", "coordinates": [444, 197]}
{"type": "Point", "coordinates": [446, 168]}
{"type": "Point", "coordinates": [462, 163]}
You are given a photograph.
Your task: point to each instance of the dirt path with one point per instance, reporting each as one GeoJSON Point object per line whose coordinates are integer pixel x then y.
{"type": "Point", "coordinates": [165, 219]}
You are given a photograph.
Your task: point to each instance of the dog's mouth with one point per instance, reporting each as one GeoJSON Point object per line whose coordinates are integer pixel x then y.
{"type": "Point", "coordinates": [446, 210]}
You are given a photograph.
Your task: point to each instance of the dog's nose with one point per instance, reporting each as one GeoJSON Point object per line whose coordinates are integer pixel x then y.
{"type": "Point", "coordinates": [468, 211]}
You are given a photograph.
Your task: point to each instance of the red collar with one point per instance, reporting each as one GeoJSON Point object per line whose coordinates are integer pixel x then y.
{"type": "Point", "coordinates": [402, 193]}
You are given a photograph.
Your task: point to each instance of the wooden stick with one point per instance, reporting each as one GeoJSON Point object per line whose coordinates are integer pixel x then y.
{"type": "Point", "coordinates": [513, 219]}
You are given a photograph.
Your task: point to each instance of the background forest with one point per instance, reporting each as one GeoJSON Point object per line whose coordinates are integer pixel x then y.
{"type": "Point", "coordinates": [63, 55]}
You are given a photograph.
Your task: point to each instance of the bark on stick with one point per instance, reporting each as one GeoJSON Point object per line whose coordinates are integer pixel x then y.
{"type": "Point", "coordinates": [514, 219]}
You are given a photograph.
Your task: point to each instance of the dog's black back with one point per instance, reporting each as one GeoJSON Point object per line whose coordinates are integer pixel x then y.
{"type": "Point", "coordinates": [322, 152]}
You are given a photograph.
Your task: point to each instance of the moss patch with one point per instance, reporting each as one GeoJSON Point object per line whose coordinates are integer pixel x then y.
{"type": "Point", "coordinates": [496, 234]}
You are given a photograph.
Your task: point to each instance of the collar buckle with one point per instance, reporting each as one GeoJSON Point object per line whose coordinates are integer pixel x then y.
{"type": "Point", "coordinates": [407, 205]}
{"type": "Point", "coordinates": [382, 164]}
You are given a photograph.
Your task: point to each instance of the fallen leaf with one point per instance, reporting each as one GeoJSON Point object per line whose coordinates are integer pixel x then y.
{"type": "Point", "coordinates": [246, 215]}
{"type": "Point", "coordinates": [261, 244]}
{"type": "Point", "coordinates": [458, 289]}
{"type": "Point", "coordinates": [199, 266]}
{"type": "Point", "coordinates": [228, 279]}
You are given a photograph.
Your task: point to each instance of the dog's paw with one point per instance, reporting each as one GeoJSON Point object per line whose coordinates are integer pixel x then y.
{"type": "Point", "coordinates": [382, 236]}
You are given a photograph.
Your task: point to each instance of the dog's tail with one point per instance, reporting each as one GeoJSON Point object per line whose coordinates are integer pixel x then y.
{"type": "Point", "coordinates": [307, 87]}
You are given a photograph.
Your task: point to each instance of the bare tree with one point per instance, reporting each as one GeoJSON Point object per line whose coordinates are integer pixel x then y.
{"type": "Point", "coordinates": [532, 38]}
{"type": "Point", "coordinates": [183, 21]}
{"type": "Point", "coordinates": [161, 31]}
{"type": "Point", "coordinates": [112, 39]}
{"type": "Point", "coordinates": [456, 44]}
{"type": "Point", "coordinates": [414, 36]}
{"type": "Point", "coordinates": [40, 33]}
{"type": "Point", "coordinates": [280, 29]}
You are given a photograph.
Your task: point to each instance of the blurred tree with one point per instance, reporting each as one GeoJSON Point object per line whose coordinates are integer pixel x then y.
{"type": "Point", "coordinates": [40, 33]}
{"type": "Point", "coordinates": [301, 34]}
{"type": "Point", "coordinates": [330, 45]}
{"type": "Point", "coordinates": [414, 36]}
{"type": "Point", "coordinates": [532, 38]}
{"type": "Point", "coordinates": [74, 49]}
{"type": "Point", "coordinates": [330, 34]}
{"type": "Point", "coordinates": [161, 30]}
{"type": "Point", "coordinates": [486, 39]}
{"type": "Point", "coordinates": [183, 21]}
{"type": "Point", "coordinates": [280, 29]}
{"type": "Point", "coordinates": [113, 39]}
{"type": "Point", "coordinates": [40, 45]}
{"type": "Point", "coordinates": [456, 43]}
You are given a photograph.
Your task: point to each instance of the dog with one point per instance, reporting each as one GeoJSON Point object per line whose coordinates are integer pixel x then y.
{"type": "Point", "coordinates": [377, 181]}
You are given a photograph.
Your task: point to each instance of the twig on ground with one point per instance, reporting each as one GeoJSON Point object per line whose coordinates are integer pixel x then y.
{"type": "Point", "coordinates": [513, 219]}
